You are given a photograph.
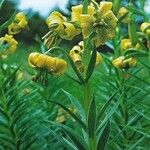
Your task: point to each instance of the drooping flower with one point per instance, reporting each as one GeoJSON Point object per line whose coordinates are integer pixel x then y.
{"type": "Point", "coordinates": [123, 63]}
{"type": "Point", "coordinates": [100, 20]}
{"type": "Point", "coordinates": [19, 23]}
{"type": "Point", "coordinates": [53, 65]}
{"type": "Point", "coordinates": [145, 28]}
{"type": "Point", "coordinates": [126, 44]}
{"type": "Point", "coordinates": [59, 25]}
{"type": "Point", "coordinates": [9, 44]}
{"type": "Point", "coordinates": [76, 54]}
{"type": "Point", "coordinates": [123, 13]}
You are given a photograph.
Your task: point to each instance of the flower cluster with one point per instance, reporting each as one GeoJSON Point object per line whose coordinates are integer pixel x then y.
{"type": "Point", "coordinates": [76, 55]}
{"type": "Point", "coordinates": [134, 42]}
{"type": "Point", "coordinates": [19, 23]}
{"type": "Point", "coordinates": [99, 19]}
{"type": "Point", "coordinates": [7, 43]}
{"type": "Point", "coordinates": [52, 65]}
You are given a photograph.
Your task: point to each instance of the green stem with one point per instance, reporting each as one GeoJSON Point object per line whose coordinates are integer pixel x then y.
{"type": "Point", "coordinates": [93, 144]}
{"type": "Point", "coordinates": [85, 6]}
{"type": "Point", "coordinates": [87, 96]}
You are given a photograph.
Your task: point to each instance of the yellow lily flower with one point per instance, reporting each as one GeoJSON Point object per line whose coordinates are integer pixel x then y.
{"type": "Point", "coordinates": [100, 20]}
{"type": "Point", "coordinates": [122, 63]}
{"type": "Point", "coordinates": [19, 23]}
{"type": "Point", "coordinates": [145, 28]}
{"type": "Point", "coordinates": [9, 43]}
{"type": "Point", "coordinates": [126, 44]}
{"type": "Point", "coordinates": [75, 55]}
{"type": "Point", "coordinates": [123, 12]}
{"type": "Point", "coordinates": [58, 23]}
{"type": "Point", "coordinates": [55, 20]}
{"type": "Point", "coordinates": [118, 62]}
{"type": "Point", "coordinates": [53, 65]}
{"type": "Point", "coordinates": [69, 31]}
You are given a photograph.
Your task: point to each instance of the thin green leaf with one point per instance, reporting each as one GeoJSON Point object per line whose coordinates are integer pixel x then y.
{"type": "Point", "coordinates": [139, 79]}
{"type": "Point", "coordinates": [10, 77]}
{"type": "Point", "coordinates": [103, 138]}
{"type": "Point", "coordinates": [8, 22]}
{"type": "Point", "coordinates": [75, 137]}
{"type": "Point", "coordinates": [1, 3]}
{"type": "Point", "coordinates": [72, 147]}
{"type": "Point", "coordinates": [83, 125]}
{"type": "Point", "coordinates": [73, 79]}
{"type": "Point", "coordinates": [136, 144]}
{"type": "Point", "coordinates": [76, 103]}
{"type": "Point", "coordinates": [92, 118]}
{"type": "Point", "coordinates": [105, 106]}
{"type": "Point", "coordinates": [110, 113]}
{"type": "Point", "coordinates": [91, 65]}
{"type": "Point", "coordinates": [126, 126]}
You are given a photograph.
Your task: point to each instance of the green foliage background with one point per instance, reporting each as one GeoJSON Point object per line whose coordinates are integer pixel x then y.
{"type": "Point", "coordinates": [27, 115]}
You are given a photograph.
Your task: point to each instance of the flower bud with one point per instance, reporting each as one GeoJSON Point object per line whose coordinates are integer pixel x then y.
{"type": "Point", "coordinates": [122, 63]}
{"type": "Point", "coordinates": [126, 44]}
{"type": "Point", "coordinates": [145, 28]}
{"type": "Point", "coordinates": [19, 23]}
{"type": "Point", "coordinates": [132, 30]}
{"type": "Point", "coordinates": [98, 58]}
{"type": "Point", "coordinates": [123, 13]}
{"type": "Point", "coordinates": [118, 62]}
{"type": "Point", "coordinates": [9, 44]}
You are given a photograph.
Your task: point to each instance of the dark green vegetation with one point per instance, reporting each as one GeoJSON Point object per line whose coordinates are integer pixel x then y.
{"type": "Point", "coordinates": [36, 117]}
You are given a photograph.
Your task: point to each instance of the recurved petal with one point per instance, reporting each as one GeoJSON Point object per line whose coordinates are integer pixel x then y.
{"type": "Point", "coordinates": [126, 44]}
{"type": "Point", "coordinates": [69, 31]}
{"type": "Point", "coordinates": [76, 12]}
{"type": "Point", "coordinates": [32, 59]}
{"type": "Point", "coordinates": [110, 19]}
{"type": "Point", "coordinates": [61, 66]}
{"type": "Point", "coordinates": [104, 7]}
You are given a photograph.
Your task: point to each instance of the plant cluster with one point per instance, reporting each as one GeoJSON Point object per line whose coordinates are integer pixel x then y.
{"type": "Point", "coordinates": [109, 107]}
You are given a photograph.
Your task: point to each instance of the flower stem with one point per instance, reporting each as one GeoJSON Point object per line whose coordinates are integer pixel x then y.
{"type": "Point", "coordinates": [85, 6]}
{"type": "Point", "coordinates": [87, 96]}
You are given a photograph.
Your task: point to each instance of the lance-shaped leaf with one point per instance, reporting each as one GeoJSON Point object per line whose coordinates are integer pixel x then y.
{"type": "Point", "coordinates": [1, 3]}
{"type": "Point", "coordinates": [116, 6]}
{"type": "Point", "coordinates": [8, 22]}
{"type": "Point", "coordinates": [110, 113]}
{"type": "Point", "coordinates": [105, 106]}
{"type": "Point", "coordinates": [91, 65]}
{"type": "Point", "coordinates": [11, 77]}
{"type": "Point", "coordinates": [132, 30]}
{"type": "Point", "coordinates": [83, 125]}
{"type": "Point", "coordinates": [72, 78]}
{"type": "Point", "coordinates": [103, 137]}
{"type": "Point", "coordinates": [92, 118]}
{"type": "Point", "coordinates": [75, 137]}
{"type": "Point", "coordinates": [75, 102]}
